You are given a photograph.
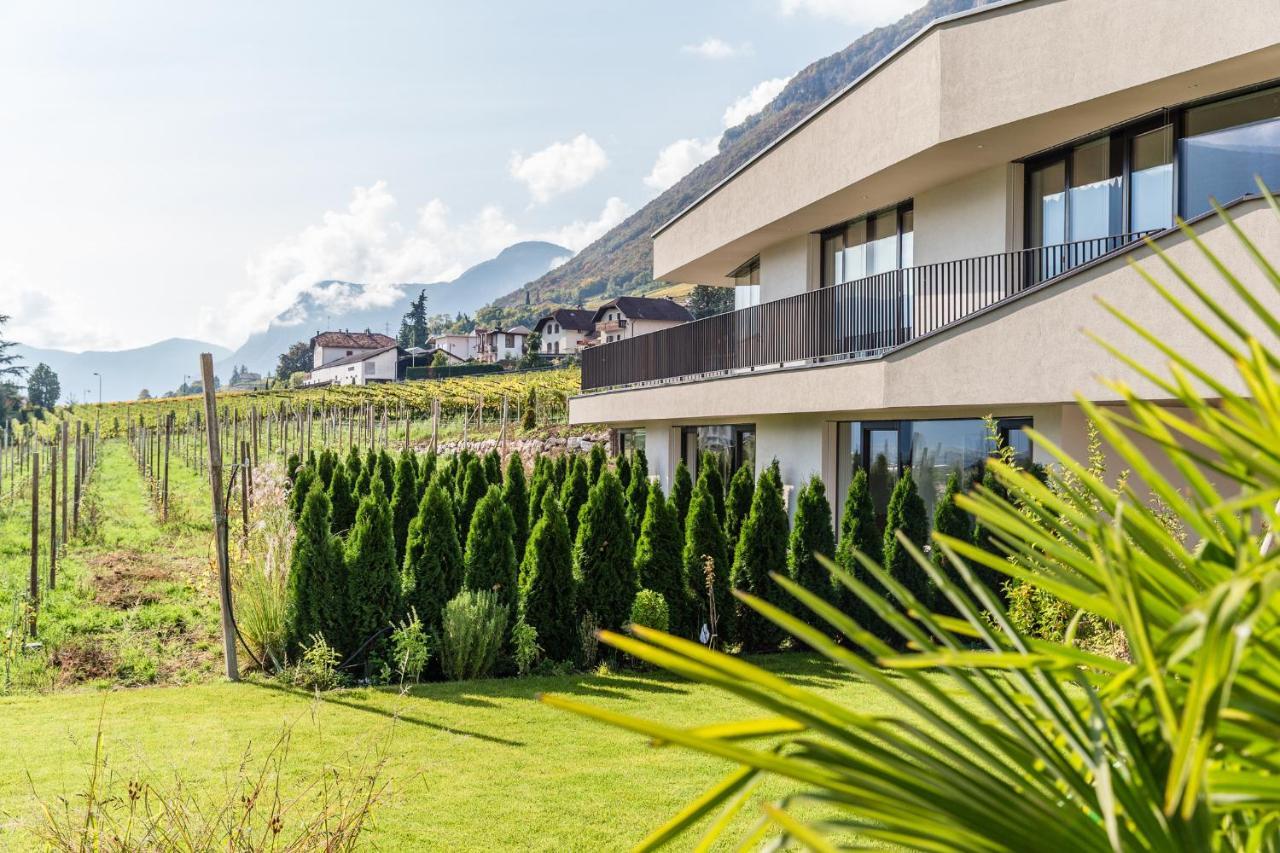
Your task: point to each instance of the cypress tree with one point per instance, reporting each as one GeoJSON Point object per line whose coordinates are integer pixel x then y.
{"type": "Point", "coordinates": [737, 504]}
{"type": "Point", "coordinates": [703, 540]}
{"type": "Point", "coordinates": [493, 468]}
{"type": "Point", "coordinates": [547, 594]}
{"type": "Point", "coordinates": [682, 494]}
{"type": "Point", "coordinates": [353, 467]}
{"type": "Point", "coordinates": [907, 513]}
{"type": "Point", "coordinates": [516, 493]}
{"type": "Point", "coordinates": [291, 467]}
{"type": "Point", "coordinates": [368, 471]}
{"type": "Point", "coordinates": [301, 485]}
{"type": "Point", "coordinates": [404, 502]}
{"type": "Point", "coordinates": [622, 467]}
{"type": "Point", "coordinates": [489, 560]}
{"type": "Point", "coordinates": [426, 470]}
{"type": "Point", "coordinates": [474, 485]}
{"type": "Point", "coordinates": [560, 470]}
{"type": "Point", "coordinates": [637, 494]}
{"type": "Point", "coordinates": [950, 520]}
{"type": "Point", "coordinates": [709, 476]}
{"type": "Point", "coordinates": [604, 555]}
{"type": "Point", "coordinates": [373, 579]}
{"type": "Point", "coordinates": [324, 468]}
{"type": "Point", "coordinates": [342, 500]}
{"type": "Point", "coordinates": [659, 563]}
{"type": "Point", "coordinates": [597, 461]}
{"type": "Point", "coordinates": [539, 484]}
{"type": "Point", "coordinates": [811, 536]}
{"type": "Point", "coordinates": [371, 464]}
{"type": "Point", "coordinates": [432, 573]}
{"type": "Point", "coordinates": [463, 459]}
{"type": "Point", "coordinates": [315, 574]}
{"type": "Point", "coordinates": [762, 548]}
{"type": "Point", "coordinates": [858, 532]}
{"type": "Point", "coordinates": [387, 471]}
{"type": "Point", "coordinates": [573, 494]}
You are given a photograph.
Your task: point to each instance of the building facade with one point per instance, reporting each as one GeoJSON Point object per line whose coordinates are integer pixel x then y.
{"type": "Point", "coordinates": [327, 347]}
{"type": "Point", "coordinates": [922, 252]}
{"type": "Point", "coordinates": [631, 316]}
{"type": "Point", "coordinates": [502, 344]}
{"type": "Point", "coordinates": [362, 368]}
{"type": "Point", "coordinates": [565, 331]}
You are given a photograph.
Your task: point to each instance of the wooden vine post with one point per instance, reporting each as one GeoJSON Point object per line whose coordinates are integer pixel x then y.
{"type": "Point", "coordinates": [53, 515]}
{"type": "Point", "coordinates": [34, 591]}
{"type": "Point", "coordinates": [219, 517]}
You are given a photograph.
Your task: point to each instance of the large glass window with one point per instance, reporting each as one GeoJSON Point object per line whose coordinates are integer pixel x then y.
{"type": "Point", "coordinates": [1094, 203]}
{"type": "Point", "coordinates": [727, 445]}
{"type": "Point", "coordinates": [1048, 188]}
{"type": "Point", "coordinates": [1151, 179]}
{"type": "Point", "coordinates": [746, 285]}
{"type": "Point", "coordinates": [878, 243]}
{"type": "Point", "coordinates": [1225, 144]}
{"type": "Point", "coordinates": [630, 440]}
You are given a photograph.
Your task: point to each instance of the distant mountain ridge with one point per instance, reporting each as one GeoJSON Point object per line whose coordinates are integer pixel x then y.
{"type": "Point", "coordinates": [158, 367]}
{"type": "Point", "coordinates": [621, 262]}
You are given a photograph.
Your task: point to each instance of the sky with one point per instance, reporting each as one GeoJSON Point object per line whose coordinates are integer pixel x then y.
{"type": "Point", "coordinates": [188, 169]}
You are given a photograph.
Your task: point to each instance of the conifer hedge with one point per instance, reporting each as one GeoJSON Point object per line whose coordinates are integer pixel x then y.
{"type": "Point", "coordinates": [762, 548]}
{"type": "Point", "coordinates": [489, 559]}
{"type": "Point", "coordinates": [907, 513]}
{"type": "Point", "coordinates": [432, 571]}
{"type": "Point", "coordinates": [703, 541]}
{"type": "Point", "coordinates": [604, 555]}
{"type": "Point", "coordinates": [316, 575]}
{"type": "Point", "coordinates": [515, 491]}
{"type": "Point", "coordinates": [660, 564]}
{"type": "Point", "coordinates": [548, 599]}
{"type": "Point", "coordinates": [373, 578]}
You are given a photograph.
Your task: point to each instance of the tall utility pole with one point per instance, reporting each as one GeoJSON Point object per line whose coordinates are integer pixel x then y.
{"type": "Point", "coordinates": [219, 517]}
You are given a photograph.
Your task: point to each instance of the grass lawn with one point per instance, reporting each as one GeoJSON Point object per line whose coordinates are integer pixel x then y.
{"type": "Point", "coordinates": [473, 765]}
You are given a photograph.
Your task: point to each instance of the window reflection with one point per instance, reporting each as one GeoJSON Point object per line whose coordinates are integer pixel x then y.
{"type": "Point", "coordinates": [1225, 145]}
{"type": "Point", "coordinates": [1151, 180]}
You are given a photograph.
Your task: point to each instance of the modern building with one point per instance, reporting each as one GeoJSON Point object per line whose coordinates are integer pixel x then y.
{"type": "Point", "coordinates": [631, 316]}
{"type": "Point", "coordinates": [327, 347]}
{"type": "Point", "coordinates": [925, 248]}
{"type": "Point", "coordinates": [459, 345]}
{"type": "Point", "coordinates": [502, 344]}
{"type": "Point", "coordinates": [565, 331]}
{"type": "Point", "coordinates": [362, 368]}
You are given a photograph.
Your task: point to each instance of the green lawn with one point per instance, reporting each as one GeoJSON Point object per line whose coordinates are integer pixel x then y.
{"type": "Point", "coordinates": [474, 765]}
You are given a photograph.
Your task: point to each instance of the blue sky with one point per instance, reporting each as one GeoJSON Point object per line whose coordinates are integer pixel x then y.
{"type": "Point", "coordinates": [185, 169]}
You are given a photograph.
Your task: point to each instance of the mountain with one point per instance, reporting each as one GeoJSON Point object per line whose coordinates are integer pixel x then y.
{"type": "Point", "coordinates": [621, 262]}
{"type": "Point", "coordinates": [482, 283]}
{"type": "Point", "coordinates": [158, 367]}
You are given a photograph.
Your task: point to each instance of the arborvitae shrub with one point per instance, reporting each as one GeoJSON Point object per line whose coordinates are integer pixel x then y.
{"type": "Point", "coordinates": [489, 559]}
{"type": "Point", "coordinates": [302, 481]}
{"type": "Point", "coordinates": [737, 504]}
{"type": "Point", "coordinates": [703, 540]}
{"type": "Point", "coordinates": [681, 494]}
{"type": "Point", "coordinates": [433, 557]}
{"type": "Point", "coordinates": [387, 471]}
{"type": "Point", "coordinates": [373, 578]}
{"type": "Point", "coordinates": [604, 555]}
{"type": "Point", "coordinates": [637, 494]}
{"type": "Point", "coordinates": [462, 464]}
{"type": "Point", "coordinates": [762, 548]}
{"type": "Point", "coordinates": [291, 466]}
{"type": "Point", "coordinates": [660, 564]}
{"type": "Point", "coordinates": [573, 494]}
{"type": "Point", "coordinates": [515, 491]}
{"type": "Point", "coordinates": [529, 416]}
{"type": "Point", "coordinates": [597, 461]}
{"type": "Point", "coordinates": [650, 610]}
{"type": "Point", "coordinates": [493, 468]}
{"type": "Point", "coordinates": [342, 500]}
{"type": "Point", "coordinates": [858, 532]}
{"type": "Point", "coordinates": [404, 501]}
{"type": "Point", "coordinates": [547, 593]}
{"type": "Point", "coordinates": [950, 520]}
{"type": "Point", "coordinates": [364, 479]}
{"type": "Point", "coordinates": [371, 464]}
{"type": "Point", "coordinates": [325, 465]}
{"type": "Point", "coordinates": [426, 470]}
{"type": "Point", "coordinates": [474, 485]}
{"type": "Point", "coordinates": [316, 589]}
{"type": "Point", "coordinates": [907, 513]}
{"type": "Point", "coordinates": [473, 627]}
{"type": "Point", "coordinates": [354, 465]}
{"type": "Point", "coordinates": [812, 535]}
{"type": "Point", "coordinates": [622, 467]}
{"type": "Point", "coordinates": [539, 484]}
{"type": "Point", "coordinates": [983, 539]}
{"type": "Point", "coordinates": [710, 478]}
{"type": "Point", "coordinates": [560, 470]}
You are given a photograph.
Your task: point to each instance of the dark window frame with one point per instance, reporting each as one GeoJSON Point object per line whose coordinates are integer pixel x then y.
{"type": "Point", "coordinates": [899, 208]}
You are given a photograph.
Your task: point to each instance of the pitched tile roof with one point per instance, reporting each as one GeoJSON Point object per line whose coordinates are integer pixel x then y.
{"type": "Point", "coordinates": [577, 319]}
{"type": "Point", "coordinates": [646, 308]}
{"type": "Point", "coordinates": [353, 340]}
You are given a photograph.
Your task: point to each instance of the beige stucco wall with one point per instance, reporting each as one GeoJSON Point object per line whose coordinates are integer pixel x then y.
{"type": "Point", "coordinates": [784, 268]}
{"type": "Point", "coordinates": [971, 95]}
{"type": "Point", "coordinates": [965, 218]}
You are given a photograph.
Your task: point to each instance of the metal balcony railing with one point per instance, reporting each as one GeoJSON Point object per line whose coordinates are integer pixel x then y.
{"type": "Point", "coordinates": [853, 320]}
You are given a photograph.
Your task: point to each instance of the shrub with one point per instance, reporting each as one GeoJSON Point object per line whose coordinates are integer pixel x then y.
{"type": "Point", "coordinates": [762, 549]}
{"type": "Point", "coordinates": [711, 478]}
{"type": "Point", "coordinates": [426, 471]}
{"type": "Point", "coordinates": [622, 470]}
{"type": "Point", "coordinates": [404, 501]}
{"type": "Point", "coordinates": [603, 555]}
{"type": "Point", "coordinates": [950, 520]}
{"type": "Point", "coordinates": [292, 465]}
{"type": "Point", "coordinates": [574, 493]}
{"type": "Point", "coordinates": [737, 504]}
{"type": "Point", "coordinates": [316, 577]}
{"type": "Point", "coordinates": [539, 484]}
{"type": "Point", "coordinates": [471, 633]}
{"type": "Point", "coordinates": [811, 536]}
{"type": "Point", "coordinates": [324, 467]}
{"type": "Point", "coordinates": [529, 416]}
{"type": "Point", "coordinates": [547, 586]}
{"type": "Point", "coordinates": [354, 466]}
{"type": "Point", "coordinates": [342, 501]}
{"type": "Point", "coordinates": [432, 572]}
{"type": "Point", "coordinates": [492, 468]}
{"type": "Point", "coordinates": [373, 579]}
{"type": "Point", "coordinates": [317, 668]}
{"type": "Point", "coordinates": [302, 481]}
{"type": "Point", "coordinates": [907, 513]}
{"type": "Point", "coordinates": [462, 466]}
{"type": "Point", "coordinates": [387, 472]}
{"type": "Point", "coordinates": [637, 494]}
{"type": "Point", "coordinates": [703, 543]}
{"type": "Point", "coordinates": [650, 610]}
{"type": "Point", "coordinates": [858, 533]}
{"type": "Point", "coordinates": [489, 560]}
{"type": "Point", "coordinates": [681, 494]}
{"type": "Point", "coordinates": [659, 563]}
{"type": "Point", "coordinates": [524, 637]}
{"type": "Point", "coordinates": [597, 462]}
{"type": "Point", "coordinates": [410, 648]}
{"type": "Point", "coordinates": [474, 486]}
{"type": "Point", "coordinates": [515, 492]}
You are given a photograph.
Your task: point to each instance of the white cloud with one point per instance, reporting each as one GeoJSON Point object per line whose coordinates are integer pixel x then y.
{"type": "Point", "coordinates": [560, 167]}
{"type": "Point", "coordinates": [368, 243]}
{"type": "Point", "coordinates": [754, 101]}
{"type": "Point", "coordinates": [856, 13]}
{"type": "Point", "coordinates": [679, 159]}
{"type": "Point", "coordinates": [714, 48]}
{"type": "Point", "coordinates": [42, 318]}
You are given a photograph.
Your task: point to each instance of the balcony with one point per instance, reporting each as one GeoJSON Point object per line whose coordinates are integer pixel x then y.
{"type": "Point", "coordinates": [613, 325]}
{"type": "Point", "coordinates": [862, 319]}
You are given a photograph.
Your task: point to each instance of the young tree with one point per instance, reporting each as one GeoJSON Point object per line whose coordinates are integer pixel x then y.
{"type": "Point", "coordinates": [324, 466]}
{"type": "Point", "coordinates": [710, 477]}
{"type": "Point", "coordinates": [858, 532]}
{"type": "Point", "coordinates": [681, 493]}
{"type": "Point", "coordinates": [597, 462]}
{"type": "Point", "coordinates": [433, 565]}
{"type": "Point", "coordinates": [574, 493]}
{"type": "Point", "coordinates": [316, 582]}
{"type": "Point", "coordinates": [373, 578]}
{"type": "Point", "coordinates": [515, 491]}
{"type": "Point", "coordinates": [474, 486]}
{"type": "Point", "coordinates": [43, 388]}
{"type": "Point", "coordinates": [547, 587]}
{"type": "Point", "coordinates": [622, 468]}
{"type": "Point", "coordinates": [762, 548]}
{"type": "Point", "coordinates": [291, 466]}
{"type": "Point", "coordinates": [811, 536]}
{"type": "Point", "coordinates": [703, 542]}
{"type": "Point", "coordinates": [463, 458]}
{"type": "Point", "coordinates": [387, 471]}
{"type": "Point", "coordinates": [413, 328]}
{"type": "Point", "coordinates": [404, 501]}
{"type": "Point", "coordinates": [489, 561]}
{"type": "Point", "coordinates": [342, 499]}
{"type": "Point", "coordinates": [950, 520]}
{"type": "Point", "coordinates": [296, 359]}
{"type": "Point", "coordinates": [604, 555]}
{"type": "Point", "coordinates": [353, 468]}
{"type": "Point", "coordinates": [638, 492]}
{"type": "Point", "coordinates": [529, 415]}
{"type": "Point", "coordinates": [493, 468]}
{"type": "Point", "coordinates": [707, 301]}
{"type": "Point", "coordinates": [144, 394]}
{"type": "Point", "coordinates": [659, 561]}
{"type": "Point", "coordinates": [907, 513]}
{"type": "Point", "coordinates": [737, 504]}
{"type": "Point", "coordinates": [301, 485]}
{"type": "Point", "coordinates": [539, 484]}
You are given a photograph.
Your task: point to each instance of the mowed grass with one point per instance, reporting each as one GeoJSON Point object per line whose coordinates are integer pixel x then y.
{"type": "Point", "coordinates": [473, 765]}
